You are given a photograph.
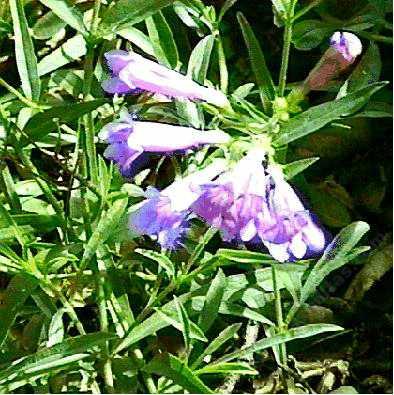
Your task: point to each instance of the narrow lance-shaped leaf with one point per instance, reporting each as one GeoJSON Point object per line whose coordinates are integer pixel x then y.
{"type": "Point", "coordinates": [316, 117]}
{"type": "Point", "coordinates": [171, 367]}
{"type": "Point", "coordinates": [67, 12]}
{"type": "Point", "coordinates": [337, 254]}
{"type": "Point", "coordinates": [162, 39]}
{"type": "Point", "coordinates": [55, 356]}
{"type": "Point", "coordinates": [130, 12]}
{"type": "Point", "coordinates": [199, 59]}
{"type": "Point", "coordinates": [212, 301]}
{"type": "Point", "coordinates": [257, 60]}
{"type": "Point", "coordinates": [104, 229]}
{"type": "Point", "coordinates": [70, 51]}
{"type": "Point", "coordinates": [26, 60]}
{"type": "Point", "coordinates": [290, 334]}
{"type": "Point", "coordinates": [46, 122]}
{"type": "Point", "coordinates": [216, 343]}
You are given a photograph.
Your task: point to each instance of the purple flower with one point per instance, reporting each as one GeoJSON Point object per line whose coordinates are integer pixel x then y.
{"type": "Point", "coordinates": [286, 228]}
{"type": "Point", "coordinates": [163, 215]}
{"type": "Point", "coordinates": [131, 71]}
{"type": "Point", "coordinates": [347, 44]}
{"type": "Point", "coordinates": [128, 139]}
{"type": "Point", "coordinates": [232, 202]}
{"type": "Point", "coordinates": [251, 201]}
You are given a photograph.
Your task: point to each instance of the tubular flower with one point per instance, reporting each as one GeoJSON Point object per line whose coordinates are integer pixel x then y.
{"type": "Point", "coordinates": [233, 201]}
{"type": "Point", "coordinates": [131, 71]}
{"type": "Point", "coordinates": [164, 214]}
{"type": "Point", "coordinates": [251, 201]}
{"type": "Point", "coordinates": [128, 139]}
{"type": "Point", "coordinates": [286, 228]}
{"type": "Point", "coordinates": [343, 51]}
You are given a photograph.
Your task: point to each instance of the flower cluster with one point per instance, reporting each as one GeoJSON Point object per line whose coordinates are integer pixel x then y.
{"type": "Point", "coordinates": [251, 202]}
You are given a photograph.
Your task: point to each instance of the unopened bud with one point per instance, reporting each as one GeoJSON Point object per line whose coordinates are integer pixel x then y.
{"type": "Point", "coordinates": [343, 51]}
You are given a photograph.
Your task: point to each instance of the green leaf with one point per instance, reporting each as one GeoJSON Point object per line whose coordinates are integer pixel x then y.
{"type": "Point", "coordinates": [138, 38]}
{"type": "Point", "coordinates": [288, 335]}
{"type": "Point", "coordinates": [8, 186]}
{"type": "Point", "coordinates": [56, 329]}
{"type": "Point", "coordinates": [378, 263]}
{"type": "Point", "coordinates": [47, 26]}
{"type": "Point", "coordinates": [199, 59]}
{"type": "Point", "coordinates": [13, 299]}
{"type": "Point", "coordinates": [316, 117]}
{"type": "Point", "coordinates": [130, 12]}
{"type": "Point", "coordinates": [309, 34]}
{"type": "Point", "coordinates": [26, 60]}
{"type": "Point", "coordinates": [173, 317]}
{"type": "Point", "coordinates": [171, 367]}
{"type": "Point", "coordinates": [186, 323]}
{"type": "Point", "coordinates": [257, 60]}
{"type": "Point", "coordinates": [44, 123]}
{"type": "Point", "coordinates": [225, 7]}
{"type": "Point", "coordinates": [227, 368]}
{"type": "Point", "coordinates": [70, 51]}
{"type": "Point", "coordinates": [250, 257]}
{"type": "Point", "coordinates": [212, 301]}
{"type": "Point", "coordinates": [161, 259]}
{"type": "Point", "coordinates": [216, 343]}
{"type": "Point", "coordinates": [106, 225]}
{"type": "Point", "coordinates": [67, 12]}
{"type": "Point", "coordinates": [367, 70]}
{"type": "Point", "coordinates": [162, 40]}
{"type": "Point", "coordinates": [156, 322]}
{"type": "Point", "coordinates": [337, 254]}
{"type": "Point", "coordinates": [70, 350]}
{"type": "Point", "coordinates": [292, 169]}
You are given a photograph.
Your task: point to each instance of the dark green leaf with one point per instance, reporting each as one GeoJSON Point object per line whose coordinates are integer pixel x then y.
{"type": "Point", "coordinates": [316, 117]}
{"type": "Point", "coordinates": [130, 12]}
{"type": "Point", "coordinates": [288, 335]}
{"type": "Point", "coordinates": [162, 40]}
{"type": "Point", "coordinates": [337, 254]}
{"type": "Point", "coordinates": [260, 69]}
{"type": "Point", "coordinates": [67, 12]}
{"type": "Point", "coordinates": [171, 367]}
{"type": "Point", "coordinates": [46, 122]}
{"type": "Point", "coordinates": [26, 60]}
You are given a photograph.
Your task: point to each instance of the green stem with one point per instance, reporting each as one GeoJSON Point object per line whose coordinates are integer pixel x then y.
{"type": "Point", "coordinates": [103, 317]}
{"type": "Point", "coordinates": [279, 316]}
{"type": "Point", "coordinates": [222, 66]}
{"type": "Point", "coordinates": [286, 49]}
{"type": "Point", "coordinates": [90, 148]}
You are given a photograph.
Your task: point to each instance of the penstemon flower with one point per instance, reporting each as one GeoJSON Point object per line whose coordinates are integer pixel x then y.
{"type": "Point", "coordinates": [285, 227]}
{"type": "Point", "coordinates": [131, 71]}
{"type": "Point", "coordinates": [128, 139]}
{"type": "Point", "coordinates": [164, 214]}
{"type": "Point", "coordinates": [252, 201]}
